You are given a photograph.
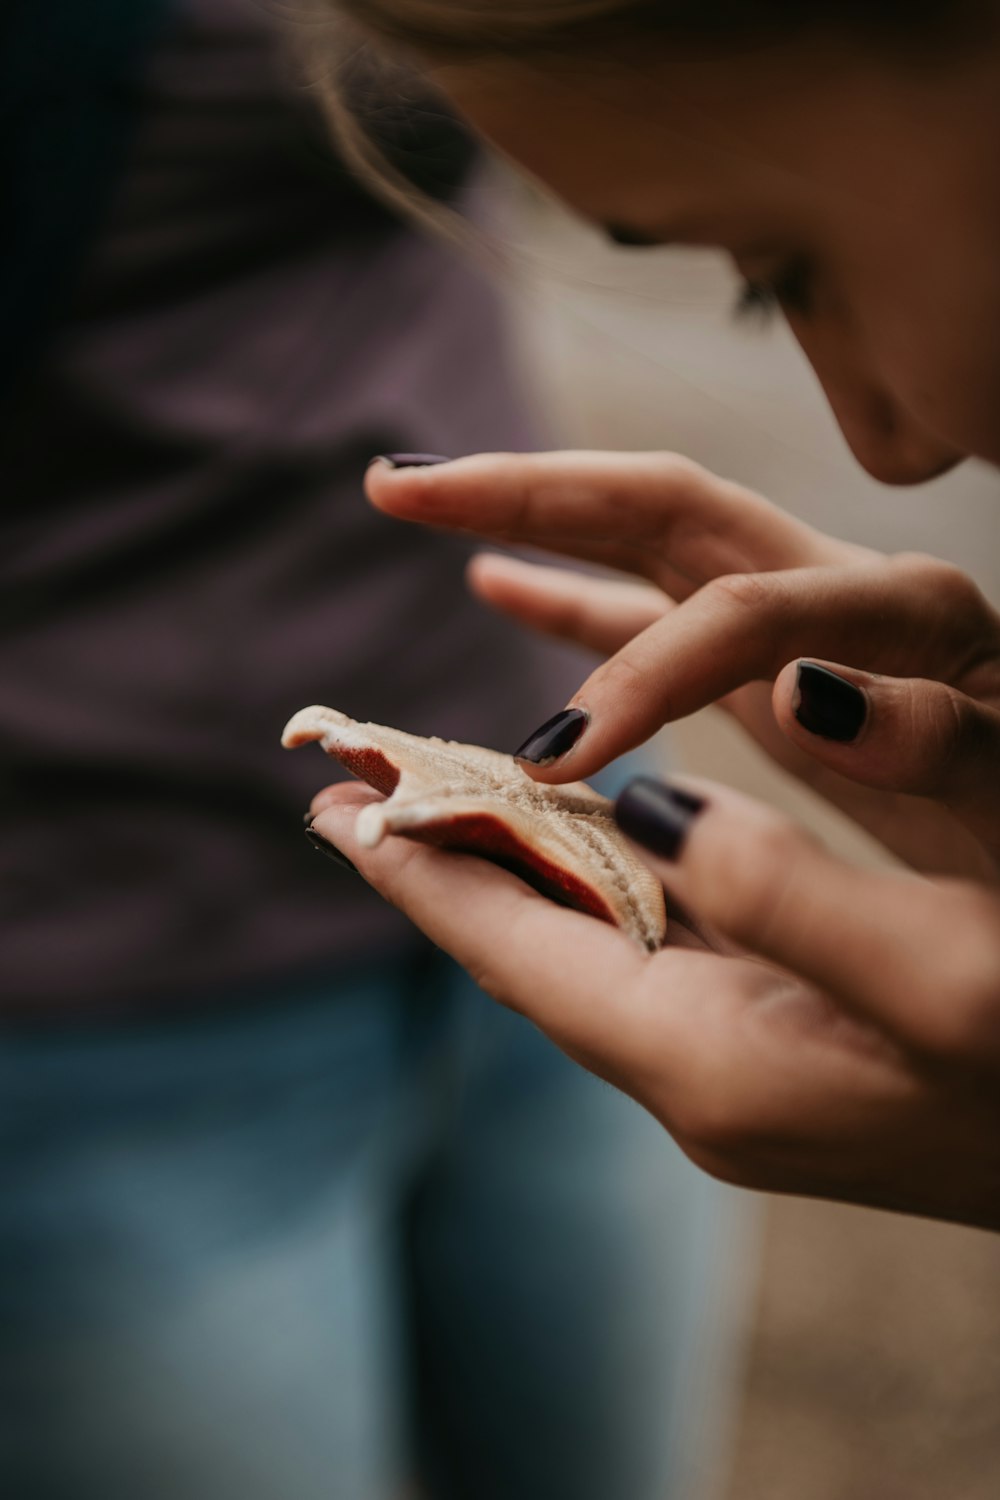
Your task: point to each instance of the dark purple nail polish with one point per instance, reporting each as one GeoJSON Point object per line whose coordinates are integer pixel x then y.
{"type": "Point", "coordinates": [410, 460]}
{"type": "Point", "coordinates": [657, 815]}
{"type": "Point", "coordinates": [554, 738]}
{"type": "Point", "coordinates": [325, 846]}
{"type": "Point", "coordinates": [828, 705]}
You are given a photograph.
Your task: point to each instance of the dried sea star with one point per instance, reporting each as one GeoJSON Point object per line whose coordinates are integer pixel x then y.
{"type": "Point", "coordinates": [562, 839]}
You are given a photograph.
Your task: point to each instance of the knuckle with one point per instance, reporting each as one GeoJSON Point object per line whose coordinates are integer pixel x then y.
{"type": "Point", "coordinates": [521, 486]}
{"type": "Point", "coordinates": [978, 1007]}
{"type": "Point", "coordinates": [956, 616]}
{"type": "Point", "coordinates": [625, 681]}
{"type": "Point", "coordinates": [671, 477]}
{"type": "Point", "coordinates": [751, 895]}
{"type": "Point", "coordinates": [940, 729]}
{"type": "Point", "coordinates": [948, 734]}
{"type": "Point", "coordinates": [971, 1027]}
{"type": "Point", "coordinates": [676, 469]}
{"type": "Point", "coordinates": [943, 581]}
{"type": "Point", "coordinates": [744, 592]}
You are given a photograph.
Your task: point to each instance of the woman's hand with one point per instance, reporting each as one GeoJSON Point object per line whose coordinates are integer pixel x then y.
{"type": "Point", "coordinates": [831, 1032]}
{"type": "Point", "coordinates": [737, 593]}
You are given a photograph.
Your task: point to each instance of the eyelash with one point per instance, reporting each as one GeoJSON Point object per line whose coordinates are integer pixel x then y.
{"type": "Point", "coordinates": [789, 290]}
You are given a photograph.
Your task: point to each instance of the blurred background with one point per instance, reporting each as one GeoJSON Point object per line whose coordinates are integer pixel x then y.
{"type": "Point", "coordinates": [873, 1342]}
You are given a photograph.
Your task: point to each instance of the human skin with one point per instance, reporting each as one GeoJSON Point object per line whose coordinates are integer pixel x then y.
{"type": "Point", "coordinates": [812, 1029]}
{"type": "Point", "coordinates": [879, 179]}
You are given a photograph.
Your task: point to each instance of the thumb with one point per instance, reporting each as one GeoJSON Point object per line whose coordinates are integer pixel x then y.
{"type": "Point", "coordinates": [897, 734]}
{"type": "Point", "coordinates": [914, 957]}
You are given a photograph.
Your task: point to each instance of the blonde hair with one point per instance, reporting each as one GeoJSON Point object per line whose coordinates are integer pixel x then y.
{"type": "Point", "coordinates": [344, 40]}
{"type": "Point", "coordinates": [351, 82]}
{"type": "Point", "coordinates": [344, 32]}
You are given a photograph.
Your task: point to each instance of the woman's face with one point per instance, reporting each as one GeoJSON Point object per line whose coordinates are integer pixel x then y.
{"type": "Point", "coordinates": [862, 196]}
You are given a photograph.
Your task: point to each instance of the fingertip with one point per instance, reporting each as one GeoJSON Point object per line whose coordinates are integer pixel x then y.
{"type": "Point", "coordinates": [343, 796]}
{"type": "Point", "coordinates": [830, 702]}
{"type": "Point", "coordinates": [389, 477]}
{"type": "Point", "coordinates": [376, 485]}
{"type": "Point", "coordinates": [550, 775]}
{"type": "Point", "coordinates": [658, 815]}
{"type": "Point", "coordinates": [488, 562]}
{"type": "Point", "coordinates": [783, 692]}
{"type": "Point", "coordinates": [395, 461]}
{"type": "Point", "coordinates": [331, 851]}
{"type": "Point", "coordinates": [483, 568]}
{"type": "Point", "coordinates": [499, 580]}
{"type": "Point", "coordinates": [553, 741]}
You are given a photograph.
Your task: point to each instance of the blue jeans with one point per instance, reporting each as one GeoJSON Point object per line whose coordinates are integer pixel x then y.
{"type": "Point", "coordinates": [377, 1229]}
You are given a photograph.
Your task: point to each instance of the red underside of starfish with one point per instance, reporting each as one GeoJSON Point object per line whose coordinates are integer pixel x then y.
{"type": "Point", "coordinates": [562, 840]}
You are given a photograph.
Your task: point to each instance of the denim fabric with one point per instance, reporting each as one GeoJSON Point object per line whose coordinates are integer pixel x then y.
{"type": "Point", "coordinates": [314, 1248]}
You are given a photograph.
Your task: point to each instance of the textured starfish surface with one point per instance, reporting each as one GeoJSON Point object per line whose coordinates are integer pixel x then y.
{"type": "Point", "coordinates": [562, 839]}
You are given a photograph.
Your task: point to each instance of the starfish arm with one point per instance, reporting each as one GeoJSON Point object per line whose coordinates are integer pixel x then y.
{"type": "Point", "coordinates": [562, 839]}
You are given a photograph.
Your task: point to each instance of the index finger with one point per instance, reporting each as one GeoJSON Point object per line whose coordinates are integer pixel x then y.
{"type": "Point", "coordinates": [745, 628]}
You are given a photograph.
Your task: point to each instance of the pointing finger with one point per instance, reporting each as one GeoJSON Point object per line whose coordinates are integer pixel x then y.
{"type": "Point", "coordinates": [744, 628]}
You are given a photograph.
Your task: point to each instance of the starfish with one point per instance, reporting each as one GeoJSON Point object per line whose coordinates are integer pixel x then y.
{"type": "Point", "coordinates": [562, 839]}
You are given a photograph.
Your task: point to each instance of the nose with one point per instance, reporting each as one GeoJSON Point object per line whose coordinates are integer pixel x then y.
{"type": "Point", "coordinates": [886, 440]}
{"type": "Point", "coordinates": [882, 433]}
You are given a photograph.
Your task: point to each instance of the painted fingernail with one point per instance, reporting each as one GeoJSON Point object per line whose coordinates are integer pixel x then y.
{"type": "Point", "coordinates": [410, 460]}
{"type": "Point", "coordinates": [324, 846]}
{"type": "Point", "coordinates": [307, 818]}
{"type": "Point", "coordinates": [657, 815]}
{"type": "Point", "coordinates": [828, 705]}
{"type": "Point", "coordinates": [554, 737]}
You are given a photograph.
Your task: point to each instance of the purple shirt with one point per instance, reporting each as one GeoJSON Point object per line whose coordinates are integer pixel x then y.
{"type": "Point", "coordinates": [188, 559]}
